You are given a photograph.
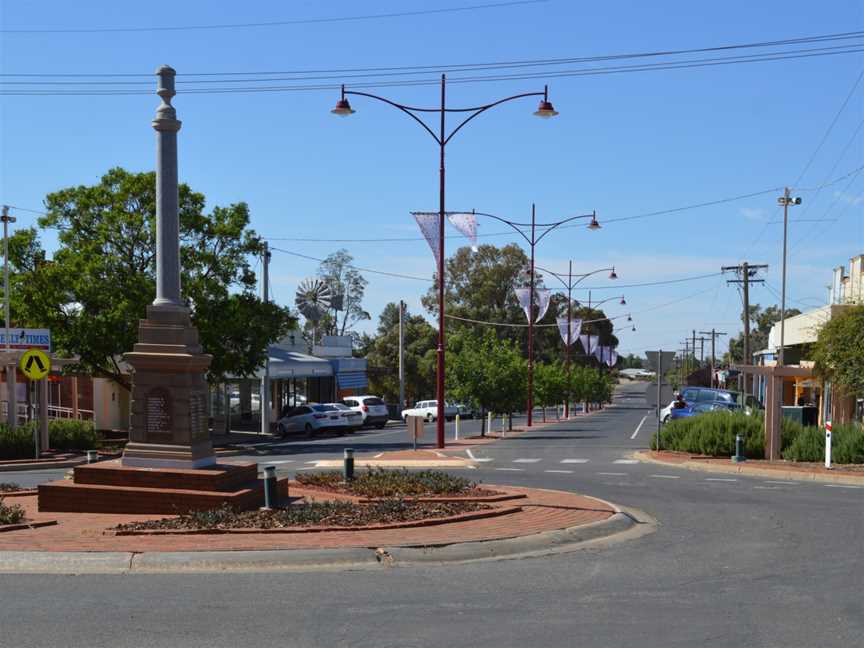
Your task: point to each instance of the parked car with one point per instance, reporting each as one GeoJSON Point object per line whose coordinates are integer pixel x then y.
{"type": "Point", "coordinates": [372, 408]}
{"type": "Point", "coordinates": [310, 419]}
{"type": "Point", "coordinates": [429, 410]}
{"type": "Point", "coordinates": [353, 418]}
{"type": "Point", "coordinates": [465, 411]}
{"type": "Point", "coordinates": [700, 408]}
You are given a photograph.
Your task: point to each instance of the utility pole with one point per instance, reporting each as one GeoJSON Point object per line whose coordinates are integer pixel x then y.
{"type": "Point", "coordinates": [264, 407]}
{"type": "Point", "coordinates": [714, 335]}
{"type": "Point", "coordinates": [747, 272]}
{"type": "Point", "coordinates": [11, 369]}
{"type": "Point", "coordinates": [694, 347]}
{"type": "Point", "coordinates": [401, 356]}
{"type": "Point", "coordinates": [786, 199]}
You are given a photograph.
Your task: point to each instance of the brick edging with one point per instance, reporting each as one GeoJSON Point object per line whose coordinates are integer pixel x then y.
{"type": "Point", "coordinates": [26, 525]}
{"type": "Point", "coordinates": [19, 493]}
{"type": "Point", "coordinates": [751, 470]}
{"type": "Point", "coordinates": [460, 517]}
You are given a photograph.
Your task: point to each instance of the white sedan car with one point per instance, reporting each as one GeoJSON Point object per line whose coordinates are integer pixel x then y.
{"type": "Point", "coordinates": [309, 419]}
{"type": "Point", "coordinates": [353, 418]}
{"type": "Point", "coordinates": [429, 410]}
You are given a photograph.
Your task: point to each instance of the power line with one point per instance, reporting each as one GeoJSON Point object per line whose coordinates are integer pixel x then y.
{"type": "Point", "coordinates": [426, 81]}
{"type": "Point", "coordinates": [370, 270]}
{"type": "Point", "coordinates": [274, 23]}
{"type": "Point", "coordinates": [438, 68]}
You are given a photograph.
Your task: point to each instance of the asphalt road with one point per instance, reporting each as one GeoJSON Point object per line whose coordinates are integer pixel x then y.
{"type": "Point", "coordinates": [735, 562]}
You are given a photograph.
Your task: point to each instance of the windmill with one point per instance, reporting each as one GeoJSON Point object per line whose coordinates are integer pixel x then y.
{"type": "Point", "coordinates": [313, 299]}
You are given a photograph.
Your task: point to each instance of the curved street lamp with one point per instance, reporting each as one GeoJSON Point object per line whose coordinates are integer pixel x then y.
{"type": "Point", "coordinates": [343, 109]}
{"type": "Point", "coordinates": [569, 285]}
{"type": "Point", "coordinates": [532, 241]}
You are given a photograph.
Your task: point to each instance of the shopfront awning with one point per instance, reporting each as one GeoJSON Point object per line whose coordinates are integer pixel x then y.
{"type": "Point", "coordinates": [285, 364]}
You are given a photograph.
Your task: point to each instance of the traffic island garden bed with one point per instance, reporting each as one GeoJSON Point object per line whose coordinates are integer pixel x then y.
{"type": "Point", "coordinates": [317, 517]}
{"type": "Point", "coordinates": [13, 517]}
{"type": "Point", "coordinates": [377, 483]}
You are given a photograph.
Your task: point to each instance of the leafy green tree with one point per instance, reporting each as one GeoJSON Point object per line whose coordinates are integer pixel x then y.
{"type": "Point", "coordinates": [488, 372]}
{"type": "Point", "coordinates": [839, 351]}
{"type": "Point", "coordinates": [348, 287]}
{"type": "Point", "coordinates": [550, 385]}
{"type": "Point", "coordinates": [382, 353]}
{"type": "Point", "coordinates": [102, 276]}
{"type": "Point", "coordinates": [479, 286]}
{"type": "Point", "coordinates": [631, 361]}
{"type": "Point", "coordinates": [761, 322]}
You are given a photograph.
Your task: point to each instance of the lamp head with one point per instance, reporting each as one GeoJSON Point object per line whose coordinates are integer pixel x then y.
{"type": "Point", "coordinates": [594, 225]}
{"type": "Point", "coordinates": [629, 319]}
{"type": "Point", "coordinates": [545, 110]}
{"type": "Point", "coordinates": [623, 301]}
{"type": "Point", "coordinates": [613, 274]}
{"type": "Point", "coordinates": [343, 108]}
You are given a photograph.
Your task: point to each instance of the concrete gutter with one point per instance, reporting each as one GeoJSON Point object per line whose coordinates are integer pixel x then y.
{"type": "Point", "coordinates": [753, 470]}
{"type": "Point", "coordinates": [624, 525]}
{"type": "Point", "coordinates": [455, 462]}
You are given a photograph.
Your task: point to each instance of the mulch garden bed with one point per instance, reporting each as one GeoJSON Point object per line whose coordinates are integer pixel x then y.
{"type": "Point", "coordinates": [317, 517]}
{"type": "Point", "coordinates": [374, 484]}
{"type": "Point", "coordinates": [14, 490]}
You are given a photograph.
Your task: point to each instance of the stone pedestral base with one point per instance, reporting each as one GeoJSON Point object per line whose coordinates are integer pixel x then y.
{"type": "Point", "coordinates": [169, 394]}
{"type": "Point", "coordinates": [110, 487]}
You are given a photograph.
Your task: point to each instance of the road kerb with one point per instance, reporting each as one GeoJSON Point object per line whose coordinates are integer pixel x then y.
{"type": "Point", "coordinates": [752, 471]}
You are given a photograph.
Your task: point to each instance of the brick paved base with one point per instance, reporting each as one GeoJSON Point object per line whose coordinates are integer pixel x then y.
{"type": "Point", "coordinates": [109, 487]}
{"type": "Point", "coordinates": [542, 510]}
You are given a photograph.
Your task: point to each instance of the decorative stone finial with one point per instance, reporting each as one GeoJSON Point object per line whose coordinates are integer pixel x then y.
{"type": "Point", "coordinates": [166, 116]}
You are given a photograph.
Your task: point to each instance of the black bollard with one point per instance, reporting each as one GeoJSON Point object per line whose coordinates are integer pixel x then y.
{"type": "Point", "coordinates": [271, 493]}
{"type": "Point", "coordinates": [349, 464]}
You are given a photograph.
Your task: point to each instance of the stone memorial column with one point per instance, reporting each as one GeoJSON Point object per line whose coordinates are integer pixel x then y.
{"type": "Point", "coordinates": [168, 427]}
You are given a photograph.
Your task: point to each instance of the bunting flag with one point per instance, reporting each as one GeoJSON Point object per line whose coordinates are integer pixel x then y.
{"type": "Point", "coordinates": [429, 223]}
{"type": "Point", "coordinates": [575, 327]}
{"type": "Point", "coordinates": [467, 226]}
{"type": "Point", "coordinates": [562, 329]}
{"type": "Point", "coordinates": [612, 358]}
{"type": "Point", "coordinates": [524, 297]}
{"type": "Point", "coordinates": [544, 296]}
{"type": "Point", "coordinates": [589, 343]}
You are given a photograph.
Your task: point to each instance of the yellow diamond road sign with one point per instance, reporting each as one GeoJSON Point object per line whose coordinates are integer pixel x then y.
{"type": "Point", "coordinates": [35, 364]}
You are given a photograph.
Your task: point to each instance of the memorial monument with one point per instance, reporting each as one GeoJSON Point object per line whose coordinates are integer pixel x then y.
{"type": "Point", "coordinates": [168, 465]}
{"type": "Point", "coordinates": [168, 427]}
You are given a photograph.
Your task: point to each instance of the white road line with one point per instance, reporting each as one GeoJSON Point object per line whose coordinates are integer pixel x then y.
{"type": "Point", "coordinates": [721, 479]}
{"type": "Point", "coordinates": [639, 427]}
{"type": "Point", "coordinates": [312, 462]}
{"type": "Point", "coordinates": [526, 460]}
{"type": "Point", "coordinates": [568, 472]}
{"type": "Point", "coordinates": [572, 461]}
{"type": "Point", "coordinates": [666, 476]}
{"type": "Point", "coordinates": [840, 486]}
{"type": "Point", "coordinates": [473, 458]}
{"type": "Point", "coordinates": [626, 461]}
{"type": "Point", "coordinates": [308, 468]}
{"type": "Point", "coordinates": [767, 488]}
{"type": "Point", "coordinates": [609, 474]}
{"type": "Point", "coordinates": [512, 469]}
{"type": "Point", "coordinates": [281, 461]}
{"type": "Point", "coordinates": [784, 483]}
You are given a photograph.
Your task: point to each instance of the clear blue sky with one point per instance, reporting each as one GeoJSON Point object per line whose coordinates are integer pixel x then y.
{"type": "Point", "coordinates": [624, 144]}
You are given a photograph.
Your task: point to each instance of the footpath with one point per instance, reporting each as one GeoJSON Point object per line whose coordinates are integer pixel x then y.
{"type": "Point", "coordinates": [798, 471]}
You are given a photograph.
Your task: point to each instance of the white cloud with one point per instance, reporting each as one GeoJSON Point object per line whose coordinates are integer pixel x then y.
{"type": "Point", "coordinates": [849, 199]}
{"type": "Point", "coordinates": [752, 213]}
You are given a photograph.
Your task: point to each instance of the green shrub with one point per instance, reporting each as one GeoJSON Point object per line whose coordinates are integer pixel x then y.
{"type": "Point", "coordinates": [10, 513]}
{"type": "Point", "coordinates": [847, 445]}
{"type": "Point", "coordinates": [713, 434]}
{"type": "Point", "coordinates": [71, 434]}
{"type": "Point", "coordinates": [64, 434]}
{"type": "Point", "coordinates": [17, 443]}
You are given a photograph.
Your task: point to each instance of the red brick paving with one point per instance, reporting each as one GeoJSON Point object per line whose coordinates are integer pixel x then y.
{"type": "Point", "coordinates": [542, 510]}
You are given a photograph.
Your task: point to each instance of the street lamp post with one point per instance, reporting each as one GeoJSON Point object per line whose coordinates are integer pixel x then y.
{"type": "Point", "coordinates": [532, 241]}
{"type": "Point", "coordinates": [785, 200]}
{"type": "Point", "coordinates": [569, 285]}
{"type": "Point", "coordinates": [343, 108]}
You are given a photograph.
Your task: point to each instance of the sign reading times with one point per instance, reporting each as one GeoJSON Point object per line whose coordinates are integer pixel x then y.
{"type": "Point", "coordinates": [26, 339]}
{"type": "Point", "coordinates": [35, 364]}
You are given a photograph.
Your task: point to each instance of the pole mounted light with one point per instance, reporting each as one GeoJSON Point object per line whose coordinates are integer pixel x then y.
{"type": "Point", "coordinates": [442, 137]}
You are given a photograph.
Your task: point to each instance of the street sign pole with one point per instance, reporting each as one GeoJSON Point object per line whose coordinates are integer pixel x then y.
{"type": "Point", "coordinates": [659, 382]}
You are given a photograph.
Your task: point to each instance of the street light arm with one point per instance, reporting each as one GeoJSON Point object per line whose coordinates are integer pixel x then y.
{"type": "Point", "coordinates": [554, 274]}
{"type": "Point", "coordinates": [408, 110]}
{"type": "Point", "coordinates": [553, 226]}
{"type": "Point", "coordinates": [593, 272]}
{"type": "Point", "coordinates": [513, 225]}
{"type": "Point", "coordinates": [481, 109]}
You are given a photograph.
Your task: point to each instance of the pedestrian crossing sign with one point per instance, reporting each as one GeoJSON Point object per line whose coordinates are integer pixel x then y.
{"type": "Point", "coordinates": [35, 364]}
